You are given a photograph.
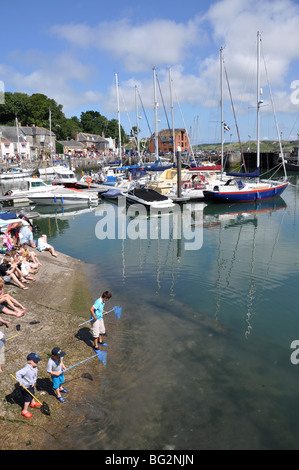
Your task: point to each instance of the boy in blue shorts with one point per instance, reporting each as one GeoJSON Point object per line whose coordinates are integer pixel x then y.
{"type": "Point", "coordinates": [97, 322]}
{"type": "Point", "coordinates": [55, 368]}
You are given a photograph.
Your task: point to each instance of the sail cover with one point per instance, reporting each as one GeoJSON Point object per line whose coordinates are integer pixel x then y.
{"type": "Point", "coordinates": [254, 174]}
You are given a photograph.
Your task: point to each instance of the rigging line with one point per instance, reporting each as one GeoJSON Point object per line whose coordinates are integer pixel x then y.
{"type": "Point", "coordinates": [273, 109]}
{"type": "Point", "coordinates": [163, 105]}
{"type": "Point", "coordinates": [295, 123]}
{"type": "Point", "coordinates": [233, 108]}
{"type": "Point", "coordinates": [188, 137]}
{"type": "Point", "coordinates": [151, 134]}
{"type": "Point", "coordinates": [133, 134]}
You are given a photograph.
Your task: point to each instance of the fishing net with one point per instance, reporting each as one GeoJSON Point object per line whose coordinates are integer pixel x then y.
{"type": "Point", "coordinates": [117, 310]}
{"type": "Point", "coordinates": [102, 356]}
{"type": "Point", "coordinates": [45, 409]}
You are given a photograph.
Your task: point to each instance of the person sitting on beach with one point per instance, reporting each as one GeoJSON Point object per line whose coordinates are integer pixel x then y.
{"type": "Point", "coordinates": [29, 256]}
{"type": "Point", "coordinates": [15, 307]}
{"type": "Point", "coordinates": [26, 236]}
{"type": "Point", "coordinates": [12, 273]}
{"type": "Point", "coordinates": [43, 245]}
{"type": "Point", "coordinates": [24, 266]}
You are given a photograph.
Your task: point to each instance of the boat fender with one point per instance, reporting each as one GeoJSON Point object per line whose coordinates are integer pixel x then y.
{"type": "Point", "coordinates": [216, 188]}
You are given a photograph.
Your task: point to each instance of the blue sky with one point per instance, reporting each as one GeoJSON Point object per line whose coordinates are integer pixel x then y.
{"type": "Point", "coordinates": [71, 51]}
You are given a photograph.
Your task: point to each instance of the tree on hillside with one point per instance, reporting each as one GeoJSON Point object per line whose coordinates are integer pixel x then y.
{"type": "Point", "coordinates": [34, 110]}
{"type": "Point", "coordinates": [93, 122]}
{"type": "Point", "coordinates": [112, 131]}
{"type": "Point", "coordinates": [16, 105]}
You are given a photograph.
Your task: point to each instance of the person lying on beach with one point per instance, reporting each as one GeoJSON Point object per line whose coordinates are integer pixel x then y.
{"type": "Point", "coordinates": [43, 245]}
{"type": "Point", "coordinates": [14, 307]}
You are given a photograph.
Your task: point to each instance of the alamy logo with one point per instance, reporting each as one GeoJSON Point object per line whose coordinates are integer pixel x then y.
{"type": "Point", "coordinates": [177, 222]}
{"type": "Point", "coordinates": [295, 93]}
{"type": "Point", "coordinates": [295, 354]}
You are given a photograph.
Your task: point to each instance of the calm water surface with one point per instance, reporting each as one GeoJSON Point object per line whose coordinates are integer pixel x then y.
{"type": "Point", "coordinates": [201, 356]}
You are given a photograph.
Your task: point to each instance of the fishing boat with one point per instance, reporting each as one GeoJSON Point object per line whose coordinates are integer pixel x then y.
{"type": "Point", "coordinates": [292, 166]}
{"type": "Point", "coordinates": [58, 174]}
{"type": "Point", "coordinates": [64, 196]}
{"type": "Point", "coordinates": [33, 185]}
{"type": "Point", "coordinates": [245, 187]}
{"type": "Point", "coordinates": [15, 173]}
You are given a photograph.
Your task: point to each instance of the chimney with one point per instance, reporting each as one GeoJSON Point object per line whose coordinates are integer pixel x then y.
{"type": "Point", "coordinates": [76, 135]}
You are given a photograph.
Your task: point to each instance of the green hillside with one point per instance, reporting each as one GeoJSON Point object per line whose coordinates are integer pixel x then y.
{"type": "Point", "coordinates": [265, 146]}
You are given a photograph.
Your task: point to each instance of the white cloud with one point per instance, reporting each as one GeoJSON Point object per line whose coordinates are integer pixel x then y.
{"type": "Point", "coordinates": [135, 48]}
{"type": "Point", "coordinates": [53, 78]}
{"type": "Point", "coordinates": [235, 24]}
{"type": "Point", "coordinates": [140, 46]}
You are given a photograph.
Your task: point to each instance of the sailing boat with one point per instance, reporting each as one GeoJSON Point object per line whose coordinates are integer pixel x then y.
{"type": "Point", "coordinates": [251, 188]}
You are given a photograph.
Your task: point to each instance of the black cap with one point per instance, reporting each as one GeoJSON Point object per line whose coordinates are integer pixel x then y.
{"type": "Point", "coordinates": [33, 357]}
{"type": "Point", "coordinates": [58, 352]}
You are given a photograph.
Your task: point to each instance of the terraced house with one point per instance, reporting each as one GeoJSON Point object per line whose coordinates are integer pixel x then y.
{"type": "Point", "coordinates": [25, 142]}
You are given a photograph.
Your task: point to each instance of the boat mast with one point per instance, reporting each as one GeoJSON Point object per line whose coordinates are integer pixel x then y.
{"type": "Point", "coordinates": [118, 114]}
{"type": "Point", "coordinates": [156, 112]}
{"type": "Point", "coordinates": [172, 115]}
{"type": "Point", "coordinates": [137, 123]}
{"type": "Point", "coordinates": [50, 121]}
{"type": "Point", "coordinates": [221, 105]}
{"type": "Point", "coordinates": [259, 101]}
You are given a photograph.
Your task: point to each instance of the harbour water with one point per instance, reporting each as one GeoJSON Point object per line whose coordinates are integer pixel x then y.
{"type": "Point", "coordinates": [201, 357]}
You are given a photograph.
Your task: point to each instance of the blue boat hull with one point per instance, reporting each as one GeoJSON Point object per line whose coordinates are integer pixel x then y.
{"type": "Point", "coordinates": [244, 196]}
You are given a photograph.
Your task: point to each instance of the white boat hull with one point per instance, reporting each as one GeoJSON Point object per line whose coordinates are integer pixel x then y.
{"type": "Point", "coordinates": [15, 174]}
{"type": "Point", "coordinates": [65, 197]}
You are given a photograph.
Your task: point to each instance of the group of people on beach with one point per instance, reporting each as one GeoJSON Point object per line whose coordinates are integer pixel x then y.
{"type": "Point", "coordinates": [19, 265]}
{"type": "Point", "coordinates": [27, 376]}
